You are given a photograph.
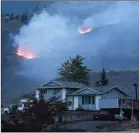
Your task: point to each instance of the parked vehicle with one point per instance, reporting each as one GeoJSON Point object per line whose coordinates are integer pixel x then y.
{"type": "Point", "coordinates": [118, 117]}
{"type": "Point", "coordinates": [103, 115]}
{"type": "Point", "coordinates": [19, 106]}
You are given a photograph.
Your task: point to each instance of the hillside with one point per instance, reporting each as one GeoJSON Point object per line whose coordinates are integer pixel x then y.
{"type": "Point", "coordinates": [107, 46]}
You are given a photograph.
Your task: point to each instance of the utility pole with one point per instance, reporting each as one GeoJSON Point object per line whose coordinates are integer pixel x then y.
{"type": "Point", "coordinates": [132, 110]}
{"type": "Point", "coordinates": [136, 90]}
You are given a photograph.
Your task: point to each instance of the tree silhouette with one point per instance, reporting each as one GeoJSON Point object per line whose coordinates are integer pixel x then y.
{"type": "Point", "coordinates": [17, 17]}
{"type": "Point", "coordinates": [12, 16]}
{"type": "Point", "coordinates": [75, 70]}
{"type": "Point", "coordinates": [104, 80]}
{"type": "Point", "coordinates": [39, 113]}
{"type": "Point", "coordinates": [24, 18]}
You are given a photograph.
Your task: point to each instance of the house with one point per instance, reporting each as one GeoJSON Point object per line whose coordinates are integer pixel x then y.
{"type": "Point", "coordinates": [78, 95]}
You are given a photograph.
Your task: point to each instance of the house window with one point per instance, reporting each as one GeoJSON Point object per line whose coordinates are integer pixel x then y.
{"type": "Point", "coordinates": [82, 100]}
{"type": "Point", "coordinates": [86, 100]}
{"type": "Point", "coordinates": [56, 91]}
{"type": "Point", "coordinates": [89, 99]}
{"type": "Point", "coordinates": [93, 100]}
{"type": "Point", "coordinates": [44, 91]}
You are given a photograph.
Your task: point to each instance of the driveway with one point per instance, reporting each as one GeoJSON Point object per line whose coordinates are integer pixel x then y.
{"type": "Point", "coordinates": [86, 125]}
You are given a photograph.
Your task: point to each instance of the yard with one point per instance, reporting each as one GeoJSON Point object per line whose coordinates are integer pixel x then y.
{"type": "Point", "coordinates": [103, 126]}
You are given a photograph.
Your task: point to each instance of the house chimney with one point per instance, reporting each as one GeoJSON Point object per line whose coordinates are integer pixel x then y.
{"type": "Point", "coordinates": [136, 90]}
{"type": "Point", "coordinates": [98, 83]}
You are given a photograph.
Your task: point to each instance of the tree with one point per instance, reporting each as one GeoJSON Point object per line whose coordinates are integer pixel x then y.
{"type": "Point", "coordinates": [36, 8]}
{"type": "Point", "coordinates": [24, 18]}
{"type": "Point", "coordinates": [17, 17]}
{"type": "Point", "coordinates": [12, 16]}
{"type": "Point", "coordinates": [39, 113]}
{"type": "Point", "coordinates": [75, 70]}
{"type": "Point", "coordinates": [104, 80]}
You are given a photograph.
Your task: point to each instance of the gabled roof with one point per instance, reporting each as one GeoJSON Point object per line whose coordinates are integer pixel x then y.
{"type": "Point", "coordinates": [67, 84]}
{"type": "Point", "coordinates": [102, 91]}
{"type": "Point", "coordinates": [93, 91]}
{"type": "Point", "coordinates": [52, 82]}
{"type": "Point", "coordinates": [122, 79]}
{"type": "Point", "coordinates": [110, 86]}
{"type": "Point", "coordinates": [115, 87]}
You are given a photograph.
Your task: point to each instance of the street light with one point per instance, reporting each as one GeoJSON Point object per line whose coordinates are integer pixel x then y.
{"type": "Point", "coordinates": [136, 90]}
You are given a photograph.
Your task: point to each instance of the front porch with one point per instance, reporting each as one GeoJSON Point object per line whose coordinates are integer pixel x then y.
{"type": "Point", "coordinates": [86, 102]}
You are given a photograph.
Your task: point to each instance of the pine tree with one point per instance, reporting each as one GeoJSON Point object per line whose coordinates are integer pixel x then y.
{"type": "Point", "coordinates": [75, 70]}
{"type": "Point", "coordinates": [24, 18]}
{"type": "Point", "coordinates": [11, 16]}
{"type": "Point", "coordinates": [104, 79]}
{"type": "Point", "coordinates": [17, 17]}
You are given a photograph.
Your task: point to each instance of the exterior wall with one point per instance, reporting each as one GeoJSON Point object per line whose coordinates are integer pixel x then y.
{"type": "Point", "coordinates": [114, 93]}
{"type": "Point", "coordinates": [76, 103]}
{"type": "Point", "coordinates": [86, 91]}
{"type": "Point", "coordinates": [51, 84]}
{"type": "Point", "coordinates": [97, 101]}
{"type": "Point", "coordinates": [37, 94]}
{"type": "Point", "coordinates": [70, 102]}
{"type": "Point", "coordinates": [50, 93]}
{"type": "Point", "coordinates": [108, 103]}
{"type": "Point", "coordinates": [61, 95]}
{"type": "Point", "coordinates": [71, 90]}
{"type": "Point", "coordinates": [63, 91]}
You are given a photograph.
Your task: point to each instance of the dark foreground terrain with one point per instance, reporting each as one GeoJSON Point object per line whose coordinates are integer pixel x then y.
{"type": "Point", "coordinates": [85, 126]}
{"type": "Point", "coordinates": [103, 126]}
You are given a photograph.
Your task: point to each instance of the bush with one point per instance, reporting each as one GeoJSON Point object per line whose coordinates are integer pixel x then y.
{"type": "Point", "coordinates": [38, 114]}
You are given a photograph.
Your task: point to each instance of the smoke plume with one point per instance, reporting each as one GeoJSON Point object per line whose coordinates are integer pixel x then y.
{"type": "Point", "coordinates": [52, 34]}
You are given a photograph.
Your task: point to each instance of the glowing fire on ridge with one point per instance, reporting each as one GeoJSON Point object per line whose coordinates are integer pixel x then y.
{"type": "Point", "coordinates": [27, 55]}
{"type": "Point", "coordinates": [83, 31]}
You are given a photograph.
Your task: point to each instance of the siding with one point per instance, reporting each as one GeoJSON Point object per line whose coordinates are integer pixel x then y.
{"type": "Point", "coordinates": [86, 91]}
{"type": "Point", "coordinates": [70, 99]}
{"type": "Point", "coordinates": [50, 94]}
{"type": "Point", "coordinates": [114, 93]}
{"type": "Point", "coordinates": [51, 84]}
{"type": "Point", "coordinates": [70, 91]}
{"type": "Point", "coordinates": [108, 103]}
{"type": "Point", "coordinates": [97, 100]}
{"type": "Point", "coordinates": [76, 102]}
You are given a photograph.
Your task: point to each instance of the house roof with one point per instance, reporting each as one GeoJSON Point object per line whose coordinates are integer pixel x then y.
{"type": "Point", "coordinates": [92, 91]}
{"type": "Point", "coordinates": [74, 85]}
{"type": "Point", "coordinates": [122, 79]}
{"type": "Point", "coordinates": [65, 84]}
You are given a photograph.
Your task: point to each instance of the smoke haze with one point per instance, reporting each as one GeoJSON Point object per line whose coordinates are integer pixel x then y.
{"type": "Point", "coordinates": [53, 34]}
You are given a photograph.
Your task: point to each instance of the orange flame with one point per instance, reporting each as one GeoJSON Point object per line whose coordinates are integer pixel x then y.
{"type": "Point", "coordinates": [27, 55]}
{"type": "Point", "coordinates": [83, 31]}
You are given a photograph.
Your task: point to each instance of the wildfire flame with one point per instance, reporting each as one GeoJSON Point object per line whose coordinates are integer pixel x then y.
{"type": "Point", "coordinates": [27, 55]}
{"type": "Point", "coordinates": [83, 31]}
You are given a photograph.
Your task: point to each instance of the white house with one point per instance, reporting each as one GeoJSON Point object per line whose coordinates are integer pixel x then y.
{"type": "Point", "coordinates": [78, 95]}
